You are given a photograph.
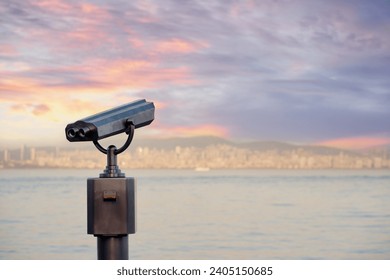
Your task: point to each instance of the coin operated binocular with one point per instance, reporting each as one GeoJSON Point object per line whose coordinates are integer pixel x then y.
{"type": "Point", "coordinates": [111, 198]}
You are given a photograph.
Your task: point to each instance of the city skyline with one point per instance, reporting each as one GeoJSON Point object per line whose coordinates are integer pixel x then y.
{"type": "Point", "coordinates": [200, 154]}
{"type": "Point", "coordinates": [311, 72]}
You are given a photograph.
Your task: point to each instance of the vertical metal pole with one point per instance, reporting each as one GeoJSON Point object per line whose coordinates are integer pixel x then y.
{"type": "Point", "coordinates": [113, 247]}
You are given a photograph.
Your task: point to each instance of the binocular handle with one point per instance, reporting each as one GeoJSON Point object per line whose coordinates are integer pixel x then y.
{"type": "Point", "coordinates": [129, 131]}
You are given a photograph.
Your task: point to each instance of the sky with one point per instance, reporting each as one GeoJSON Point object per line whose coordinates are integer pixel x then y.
{"type": "Point", "coordinates": [299, 71]}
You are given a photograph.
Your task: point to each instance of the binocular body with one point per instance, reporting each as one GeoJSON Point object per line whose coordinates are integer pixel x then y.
{"type": "Point", "coordinates": [111, 122]}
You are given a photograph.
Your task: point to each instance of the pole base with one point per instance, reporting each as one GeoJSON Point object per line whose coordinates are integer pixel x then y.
{"type": "Point", "coordinates": [113, 247]}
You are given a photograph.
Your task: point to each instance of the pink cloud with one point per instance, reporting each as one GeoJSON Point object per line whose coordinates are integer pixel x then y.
{"type": "Point", "coordinates": [35, 109]}
{"type": "Point", "coordinates": [178, 46]}
{"type": "Point", "coordinates": [83, 107]}
{"type": "Point", "coordinates": [8, 50]}
{"type": "Point", "coordinates": [16, 87]}
{"type": "Point", "coordinates": [356, 142]}
{"type": "Point", "coordinates": [75, 9]}
{"type": "Point", "coordinates": [136, 74]}
{"type": "Point", "coordinates": [84, 28]}
{"type": "Point", "coordinates": [95, 75]}
{"type": "Point", "coordinates": [40, 109]}
{"type": "Point", "coordinates": [136, 43]}
{"type": "Point", "coordinates": [56, 6]}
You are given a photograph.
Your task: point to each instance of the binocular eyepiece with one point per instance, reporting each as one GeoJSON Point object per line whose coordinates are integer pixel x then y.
{"type": "Point", "coordinates": [111, 122]}
{"type": "Point", "coordinates": [81, 131]}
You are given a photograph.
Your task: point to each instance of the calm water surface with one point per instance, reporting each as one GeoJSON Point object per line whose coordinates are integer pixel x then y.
{"type": "Point", "coordinates": [234, 214]}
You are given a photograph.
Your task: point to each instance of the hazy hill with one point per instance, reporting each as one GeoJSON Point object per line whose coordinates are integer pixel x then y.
{"type": "Point", "coordinates": [171, 143]}
{"type": "Point", "coordinates": [202, 142]}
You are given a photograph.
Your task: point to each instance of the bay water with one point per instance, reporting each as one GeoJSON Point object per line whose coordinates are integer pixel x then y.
{"type": "Point", "coordinates": [218, 214]}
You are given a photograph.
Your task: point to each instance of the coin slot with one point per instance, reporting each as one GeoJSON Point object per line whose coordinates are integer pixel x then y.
{"type": "Point", "coordinates": [109, 195]}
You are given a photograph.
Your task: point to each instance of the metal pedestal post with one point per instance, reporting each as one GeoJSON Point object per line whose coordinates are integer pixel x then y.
{"type": "Point", "coordinates": [111, 203]}
{"type": "Point", "coordinates": [111, 198]}
{"type": "Point", "coordinates": [113, 247]}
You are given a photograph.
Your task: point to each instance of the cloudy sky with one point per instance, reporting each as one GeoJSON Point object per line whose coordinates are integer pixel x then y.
{"type": "Point", "coordinates": [301, 71]}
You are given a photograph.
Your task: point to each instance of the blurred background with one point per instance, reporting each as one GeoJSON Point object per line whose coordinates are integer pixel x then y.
{"type": "Point", "coordinates": [271, 138]}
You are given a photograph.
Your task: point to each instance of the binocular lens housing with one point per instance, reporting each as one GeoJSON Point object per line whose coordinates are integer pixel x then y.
{"type": "Point", "coordinates": [111, 122]}
{"type": "Point", "coordinates": [73, 132]}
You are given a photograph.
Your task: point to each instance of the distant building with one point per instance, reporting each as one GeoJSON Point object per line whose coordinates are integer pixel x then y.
{"type": "Point", "coordinates": [21, 153]}
{"type": "Point", "coordinates": [32, 154]}
{"type": "Point", "coordinates": [5, 155]}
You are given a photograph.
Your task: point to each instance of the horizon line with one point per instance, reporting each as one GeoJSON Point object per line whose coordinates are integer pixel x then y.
{"type": "Point", "coordinates": [338, 144]}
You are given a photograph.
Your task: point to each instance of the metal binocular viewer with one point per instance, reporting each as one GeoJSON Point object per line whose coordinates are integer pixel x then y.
{"type": "Point", "coordinates": [111, 198]}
